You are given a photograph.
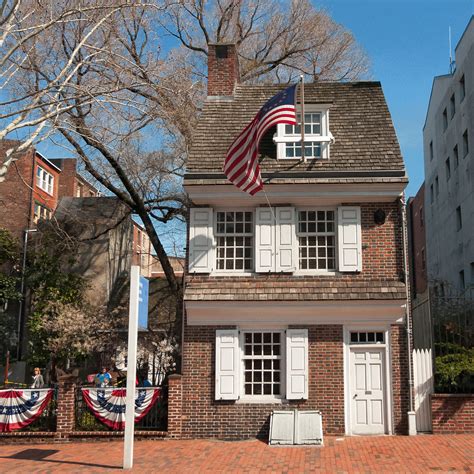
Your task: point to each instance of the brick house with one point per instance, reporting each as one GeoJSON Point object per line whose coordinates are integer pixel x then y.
{"type": "Point", "coordinates": [302, 304]}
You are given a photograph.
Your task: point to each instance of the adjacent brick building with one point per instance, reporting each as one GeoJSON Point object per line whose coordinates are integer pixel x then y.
{"type": "Point", "coordinates": [300, 302]}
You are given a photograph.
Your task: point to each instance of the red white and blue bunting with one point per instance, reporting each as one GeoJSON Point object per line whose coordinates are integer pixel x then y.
{"type": "Point", "coordinates": [108, 404]}
{"type": "Point", "coordinates": [19, 408]}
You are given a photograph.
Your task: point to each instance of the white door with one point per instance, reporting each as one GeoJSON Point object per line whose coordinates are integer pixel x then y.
{"type": "Point", "coordinates": [367, 391]}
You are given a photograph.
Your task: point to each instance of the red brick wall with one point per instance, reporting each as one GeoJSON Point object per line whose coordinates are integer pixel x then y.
{"type": "Point", "coordinates": [205, 417]}
{"type": "Point", "coordinates": [223, 72]}
{"type": "Point", "coordinates": [452, 413]}
{"type": "Point", "coordinates": [40, 196]}
{"type": "Point", "coordinates": [418, 240]}
{"type": "Point", "coordinates": [67, 182]}
{"type": "Point", "coordinates": [16, 193]}
{"type": "Point", "coordinates": [400, 386]}
{"type": "Point", "coordinates": [65, 410]}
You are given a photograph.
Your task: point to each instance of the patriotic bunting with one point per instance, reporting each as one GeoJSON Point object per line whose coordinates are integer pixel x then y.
{"type": "Point", "coordinates": [19, 408]}
{"type": "Point", "coordinates": [108, 404]}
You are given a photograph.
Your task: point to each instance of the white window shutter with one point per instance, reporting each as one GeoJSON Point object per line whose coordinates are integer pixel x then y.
{"type": "Point", "coordinates": [227, 364]}
{"type": "Point", "coordinates": [201, 240]}
{"type": "Point", "coordinates": [264, 240]}
{"type": "Point", "coordinates": [286, 246]}
{"type": "Point", "coordinates": [349, 237]}
{"type": "Point", "coordinates": [297, 364]}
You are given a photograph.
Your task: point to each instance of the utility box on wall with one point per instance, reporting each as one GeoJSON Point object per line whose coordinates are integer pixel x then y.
{"type": "Point", "coordinates": [296, 427]}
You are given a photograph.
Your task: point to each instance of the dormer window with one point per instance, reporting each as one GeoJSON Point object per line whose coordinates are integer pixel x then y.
{"type": "Point", "coordinates": [316, 136]}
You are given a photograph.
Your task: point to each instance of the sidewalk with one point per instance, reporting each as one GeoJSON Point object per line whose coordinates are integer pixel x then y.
{"type": "Point", "coordinates": [368, 454]}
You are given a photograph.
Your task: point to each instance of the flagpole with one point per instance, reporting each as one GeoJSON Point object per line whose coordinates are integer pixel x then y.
{"type": "Point", "coordinates": [302, 117]}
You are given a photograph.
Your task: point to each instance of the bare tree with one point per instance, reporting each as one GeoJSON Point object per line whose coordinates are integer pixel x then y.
{"type": "Point", "coordinates": [275, 40]}
{"type": "Point", "coordinates": [100, 81]}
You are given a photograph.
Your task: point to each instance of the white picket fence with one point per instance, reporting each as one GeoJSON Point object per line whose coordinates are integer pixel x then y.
{"type": "Point", "coordinates": [423, 379]}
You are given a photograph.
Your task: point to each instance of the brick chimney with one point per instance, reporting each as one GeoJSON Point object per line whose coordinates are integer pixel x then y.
{"type": "Point", "coordinates": [223, 69]}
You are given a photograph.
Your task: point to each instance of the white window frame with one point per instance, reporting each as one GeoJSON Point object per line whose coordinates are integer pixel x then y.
{"type": "Point", "coordinates": [44, 212]}
{"type": "Point", "coordinates": [240, 272]}
{"type": "Point", "coordinates": [315, 271]}
{"type": "Point", "coordinates": [263, 398]}
{"type": "Point", "coordinates": [281, 138]}
{"type": "Point", "coordinates": [45, 180]}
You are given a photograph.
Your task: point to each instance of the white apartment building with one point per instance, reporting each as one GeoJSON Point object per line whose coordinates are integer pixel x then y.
{"type": "Point", "coordinates": [448, 138]}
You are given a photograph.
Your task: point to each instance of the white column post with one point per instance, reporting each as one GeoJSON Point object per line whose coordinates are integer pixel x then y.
{"type": "Point", "coordinates": [131, 367]}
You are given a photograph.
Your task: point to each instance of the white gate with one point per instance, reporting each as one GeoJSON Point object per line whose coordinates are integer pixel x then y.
{"type": "Point", "coordinates": [423, 379]}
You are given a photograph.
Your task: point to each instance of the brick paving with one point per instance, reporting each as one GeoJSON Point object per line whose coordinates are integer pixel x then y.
{"type": "Point", "coordinates": [454, 453]}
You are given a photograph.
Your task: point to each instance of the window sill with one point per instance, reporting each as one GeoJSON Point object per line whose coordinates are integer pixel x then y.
{"type": "Point", "coordinates": [262, 401]}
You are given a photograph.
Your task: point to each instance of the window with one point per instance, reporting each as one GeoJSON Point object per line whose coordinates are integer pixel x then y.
{"type": "Point", "coordinates": [234, 239]}
{"type": "Point", "coordinates": [448, 169]}
{"type": "Point", "coordinates": [262, 363]}
{"type": "Point", "coordinates": [316, 137]}
{"type": "Point", "coordinates": [317, 240]}
{"type": "Point", "coordinates": [458, 218]}
{"type": "Point", "coordinates": [79, 190]}
{"type": "Point", "coordinates": [465, 144]}
{"type": "Point", "coordinates": [445, 119]}
{"type": "Point", "coordinates": [462, 283]}
{"type": "Point", "coordinates": [44, 180]}
{"type": "Point", "coordinates": [431, 151]}
{"type": "Point", "coordinates": [437, 186]}
{"type": "Point", "coordinates": [472, 273]}
{"type": "Point", "coordinates": [367, 337]}
{"type": "Point", "coordinates": [423, 259]}
{"type": "Point", "coordinates": [431, 194]}
{"type": "Point", "coordinates": [40, 212]}
{"type": "Point", "coordinates": [422, 217]}
{"type": "Point", "coordinates": [462, 88]}
{"type": "Point", "coordinates": [452, 103]}
{"type": "Point", "coordinates": [456, 157]}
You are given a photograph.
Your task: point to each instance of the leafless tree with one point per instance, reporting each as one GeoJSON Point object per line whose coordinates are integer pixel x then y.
{"type": "Point", "coordinates": [103, 79]}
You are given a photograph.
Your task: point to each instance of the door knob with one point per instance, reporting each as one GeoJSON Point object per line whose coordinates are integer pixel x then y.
{"type": "Point", "coordinates": [355, 396]}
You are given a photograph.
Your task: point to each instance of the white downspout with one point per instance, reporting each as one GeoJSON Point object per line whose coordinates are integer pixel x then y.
{"type": "Point", "coordinates": [411, 413]}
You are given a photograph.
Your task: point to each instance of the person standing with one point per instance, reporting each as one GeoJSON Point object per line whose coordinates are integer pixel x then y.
{"type": "Point", "coordinates": [103, 378]}
{"type": "Point", "coordinates": [38, 381]}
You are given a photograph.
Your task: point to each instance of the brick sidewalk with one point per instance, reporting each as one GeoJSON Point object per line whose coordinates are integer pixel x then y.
{"type": "Point", "coordinates": [369, 454]}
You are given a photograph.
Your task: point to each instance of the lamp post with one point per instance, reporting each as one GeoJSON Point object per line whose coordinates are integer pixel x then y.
{"type": "Point", "coordinates": [22, 292]}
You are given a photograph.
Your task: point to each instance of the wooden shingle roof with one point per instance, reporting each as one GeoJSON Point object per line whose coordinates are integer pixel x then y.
{"type": "Point", "coordinates": [365, 139]}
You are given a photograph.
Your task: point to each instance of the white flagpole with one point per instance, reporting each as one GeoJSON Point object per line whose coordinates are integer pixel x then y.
{"type": "Point", "coordinates": [303, 156]}
{"type": "Point", "coordinates": [131, 367]}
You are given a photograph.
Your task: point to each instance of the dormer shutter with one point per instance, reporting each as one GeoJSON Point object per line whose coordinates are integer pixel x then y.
{"type": "Point", "coordinates": [201, 240]}
{"type": "Point", "coordinates": [349, 237]}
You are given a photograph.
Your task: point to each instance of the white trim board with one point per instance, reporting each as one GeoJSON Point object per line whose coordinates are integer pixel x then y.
{"type": "Point", "coordinates": [256, 313]}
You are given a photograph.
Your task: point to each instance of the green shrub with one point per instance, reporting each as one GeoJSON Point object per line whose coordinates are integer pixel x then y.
{"type": "Point", "coordinates": [454, 371]}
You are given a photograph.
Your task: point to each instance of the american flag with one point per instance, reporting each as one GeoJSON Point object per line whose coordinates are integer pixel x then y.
{"type": "Point", "coordinates": [241, 162]}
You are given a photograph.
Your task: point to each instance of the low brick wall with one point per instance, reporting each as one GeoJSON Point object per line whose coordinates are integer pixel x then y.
{"type": "Point", "coordinates": [452, 413]}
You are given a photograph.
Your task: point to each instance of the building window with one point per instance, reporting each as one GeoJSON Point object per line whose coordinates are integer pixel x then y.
{"type": "Point", "coordinates": [431, 151]}
{"type": "Point", "coordinates": [465, 144]}
{"type": "Point", "coordinates": [437, 186]}
{"type": "Point", "coordinates": [316, 135]}
{"type": "Point", "coordinates": [445, 119]}
{"type": "Point", "coordinates": [423, 259]}
{"type": "Point", "coordinates": [462, 88]}
{"type": "Point", "coordinates": [431, 194]}
{"type": "Point", "coordinates": [41, 212]}
{"type": "Point", "coordinates": [317, 240]}
{"type": "Point", "coordinates": [44, 180]}
{"type": "Point", "coordinates": [234, 238]}
{"type": "Point", "coordinates": [79, 190]}
{"type": "Point", "coordinates": [472, 273]}
{"type": "Point", "coordinates": [458, 218]}
{"type": "Point", "coordinates": [448, 169]}
{"type": "Point", "coordinates": [456, 156]}
{"type": "Point", "coordinates": [367, 337]}
{"type": "Point", "coordinates": [462, 283]}
{"type": "Point", "coordinates": [262, 363]}
{"type": "Point", "coordinates": [422, 217]}
{"type": "Point", "coordinates": [452, 103]}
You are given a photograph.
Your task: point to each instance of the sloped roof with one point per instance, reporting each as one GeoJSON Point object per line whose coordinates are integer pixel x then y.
{"type": "Point", "coordinates": [365, 139]}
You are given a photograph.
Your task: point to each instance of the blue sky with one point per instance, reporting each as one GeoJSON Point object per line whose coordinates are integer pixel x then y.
{"type": "Point", "coordinates": [407, 42]}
